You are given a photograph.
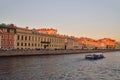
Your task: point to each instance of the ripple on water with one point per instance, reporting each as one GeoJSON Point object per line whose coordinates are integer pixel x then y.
{"type": "Point", "coordinates": [60, 67]}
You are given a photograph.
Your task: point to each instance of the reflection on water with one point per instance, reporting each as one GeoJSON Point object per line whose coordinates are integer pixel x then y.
{"type": "Point", "coordinates": [60, 67]}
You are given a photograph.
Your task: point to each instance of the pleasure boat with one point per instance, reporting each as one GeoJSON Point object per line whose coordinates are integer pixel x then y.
{"type": "Point", "coordinates": [94, 56]}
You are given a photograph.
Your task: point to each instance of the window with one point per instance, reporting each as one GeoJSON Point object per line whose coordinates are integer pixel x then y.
{"type": "Point", "coordinates": [21, 44]}
{"type": "Point", "coordinates": [2, 36]}
{"type": "Point", "coordinates": [4, 30]}
{"type": "Point", "coordinates": [25, 37]}
{"type": "Point", "coordinates": [22, 38]}
{"type": "Point", "coordinates": [18, 37]}
{"type": "Point", "coordinates": [6, 36]}
{"type": "Point", "coordinates": [9, 43]}
{"type": "Point", "coordinates": [44, 39]}
{"type": "Point", "coordinates": [35, 38]}
{"type": "Point", "coordinates": [49, 39]}
{"type": "Point", "coordinates": [11, 30]}
{"type": "Point", "coordinates": [10, 36]}
{"type": "Point", "coordinates": [39, 39]}
{"type": "Point", "coordinates": [35, 45]}
{"type": "Point", "coordinates": [29, 44]}
{"type": "Point", "coordinates": [32, 38]}
{"type": "Point", "coordinates": [18, 44]}
{"type": "Point", "coordinates": [25, 44]}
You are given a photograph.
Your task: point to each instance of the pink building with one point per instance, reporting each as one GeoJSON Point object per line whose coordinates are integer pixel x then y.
{"type": "Point", "coordinates": [7, 35]}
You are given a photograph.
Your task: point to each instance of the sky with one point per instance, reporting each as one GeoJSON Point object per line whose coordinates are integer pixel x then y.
{"type": "Point", "coordinates": [80, 18]}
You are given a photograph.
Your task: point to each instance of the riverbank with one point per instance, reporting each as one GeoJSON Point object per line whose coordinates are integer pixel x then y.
{"type": "Point", "coordinates": [49, 52]}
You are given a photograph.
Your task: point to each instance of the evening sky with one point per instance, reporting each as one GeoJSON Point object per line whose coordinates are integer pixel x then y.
{"type": "Point", "coordinates": [81, 18]}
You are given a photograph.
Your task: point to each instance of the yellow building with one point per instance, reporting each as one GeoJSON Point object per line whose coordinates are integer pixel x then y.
{"type": "Point", "coordinates": [25, 38]}
{"type": "Point", "coordinates": [31, 39]}
{"type": "Point", "coordinates": [72, 43]}
{"type": "Point", "coordinates": [117, 45]}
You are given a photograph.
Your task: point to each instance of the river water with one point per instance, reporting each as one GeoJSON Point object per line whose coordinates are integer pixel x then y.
{"type": "Point", "coordinates": [60, 67]}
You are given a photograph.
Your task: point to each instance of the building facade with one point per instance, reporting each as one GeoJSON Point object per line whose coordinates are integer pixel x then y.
{"type": "Point", "coordinates": [25, 38]}
{"type": "Point", "coordinates": [72, 43]}
{"type": "Point", "coordinates": [31, 39]}
{"type": "Point", "coordinates": [108, 43]}
{"type": "Point", "coordinates": [117, 45]}
{"type": "Point", "coordinates": [7, 35]}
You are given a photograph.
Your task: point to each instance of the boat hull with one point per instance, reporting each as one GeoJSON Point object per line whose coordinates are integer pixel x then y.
{"type": "Point", "coordinates": [94, 57]}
